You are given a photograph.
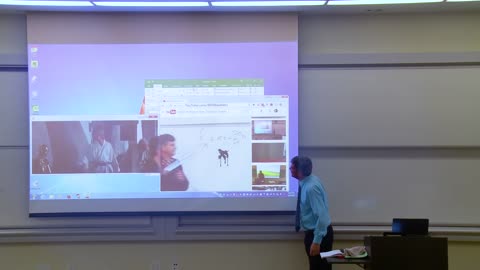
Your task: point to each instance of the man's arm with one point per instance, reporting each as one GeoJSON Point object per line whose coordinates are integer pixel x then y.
{"type": "Point", "coordinates": [116, 166]}
{"type": "Point", "coordinates": [181, 178]}
{"type": "Point", "coordinates": [317, 203]}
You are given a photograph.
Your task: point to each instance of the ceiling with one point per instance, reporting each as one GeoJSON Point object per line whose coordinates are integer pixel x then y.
{"type": "Point", "coordinates": [442, 7]}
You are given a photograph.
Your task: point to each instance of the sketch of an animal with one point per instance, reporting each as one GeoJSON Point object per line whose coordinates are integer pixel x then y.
{"type": "Point", "coordinates": [223, 154]}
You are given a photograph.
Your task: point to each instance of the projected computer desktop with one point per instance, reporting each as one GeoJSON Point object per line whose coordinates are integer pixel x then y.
{"type": "Point", "coordinates": [135, 128]}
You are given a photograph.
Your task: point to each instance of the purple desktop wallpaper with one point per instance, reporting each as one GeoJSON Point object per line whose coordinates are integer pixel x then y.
{"type": "Point", "coordinates": [108, 79]}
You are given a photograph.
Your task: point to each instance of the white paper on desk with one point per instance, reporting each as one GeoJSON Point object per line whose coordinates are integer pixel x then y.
{"type": "Point", "coordinates": [329, 254]}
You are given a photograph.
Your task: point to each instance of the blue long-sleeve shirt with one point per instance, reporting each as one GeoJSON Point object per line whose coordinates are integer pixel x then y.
{"type": "Point", "coordinates": [314, 213]}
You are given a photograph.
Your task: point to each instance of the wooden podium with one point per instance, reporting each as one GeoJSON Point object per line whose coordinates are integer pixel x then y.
{"type": "Point", "coordinates": [407, 252]}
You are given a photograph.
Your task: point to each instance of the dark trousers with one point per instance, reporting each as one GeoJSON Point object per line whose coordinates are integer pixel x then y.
{"type": "Point", "coordinates": [317, 263]}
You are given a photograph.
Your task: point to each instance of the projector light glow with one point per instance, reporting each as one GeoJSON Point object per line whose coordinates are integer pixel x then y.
{"type": "Point", "coordinates": [379, 2]}
{"type": "Point", "coordinates": [267, 3]}
{"type": "Point", "coordinates": [152, 4]}
{"type": "Point", "coordinates": [47, 3]}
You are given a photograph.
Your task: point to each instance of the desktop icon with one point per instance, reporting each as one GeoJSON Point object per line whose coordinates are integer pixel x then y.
{"type": "Point", "coordinates": [35, 108]}
{"type": "Point", "coordinates": [34, 64]}
{"type": "Point", "coordinates": [33, 49]}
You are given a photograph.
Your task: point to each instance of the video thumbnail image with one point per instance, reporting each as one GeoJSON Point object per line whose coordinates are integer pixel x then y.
{"type": "Point", "coordinates": [63, 147]}
{"type": "Point", "coordinates": [269, 174]}
{"type": "Point", "coordinates": [269, 129]}
{"type": "Point", "coordinates": [269, 152]}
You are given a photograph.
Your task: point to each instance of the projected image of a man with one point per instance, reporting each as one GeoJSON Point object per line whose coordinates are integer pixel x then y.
{"type": "Point", "coordinates": [162, 151]}
{"type": "Point", "coordinates": [102, 157]}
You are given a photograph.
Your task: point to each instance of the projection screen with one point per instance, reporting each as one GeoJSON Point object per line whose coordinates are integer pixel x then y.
{"type": "Point", "coordinates": [159, 113]}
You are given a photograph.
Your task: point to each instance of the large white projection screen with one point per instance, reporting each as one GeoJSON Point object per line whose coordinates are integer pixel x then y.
{"type": "Point", "coordinates": [158, 113]}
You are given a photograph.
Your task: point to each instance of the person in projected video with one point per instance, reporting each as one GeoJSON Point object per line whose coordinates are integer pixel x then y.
{"type": "Point", "coordinates": [41, 165]}
{"type": "Point", "coordinates": [143, 153]}
{"type": "Point", "coordinates": [102, 157]}
{"type": "Point", "coordinates": [162, 151]}
{"type": "Point", "coordinates": [261, 176]}
{"type": "Point", "coordinates": [260, 179]}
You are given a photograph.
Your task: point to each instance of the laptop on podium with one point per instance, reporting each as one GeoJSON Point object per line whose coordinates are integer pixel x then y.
{"type": "Point", "coordinates": [409, 226]}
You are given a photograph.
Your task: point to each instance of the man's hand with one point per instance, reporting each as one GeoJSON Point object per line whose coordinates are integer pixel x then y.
{"type": "Point", "coordinates": [314, 249]}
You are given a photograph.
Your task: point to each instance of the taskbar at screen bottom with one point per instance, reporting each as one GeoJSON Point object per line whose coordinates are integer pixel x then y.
{"type": "Point", "coordinates": [166, 195]}
{"type": "Point", "coordinates": [147, 206]}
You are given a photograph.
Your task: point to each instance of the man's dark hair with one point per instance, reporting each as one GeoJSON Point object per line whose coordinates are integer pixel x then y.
{"type": "Point", "coordinates": [165, 138]}
{"type": "Point", "coordinates": [158, 141]}
{"type": "Point", "coordinates": [303, 164]}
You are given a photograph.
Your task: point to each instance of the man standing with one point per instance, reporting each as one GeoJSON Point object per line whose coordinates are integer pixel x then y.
{"type": "Point", "coordinates": [312, 213]}
{"type": "Point", "coordinates": [162, 151]}
{"type": "Point", "coordinates": [102, 157]}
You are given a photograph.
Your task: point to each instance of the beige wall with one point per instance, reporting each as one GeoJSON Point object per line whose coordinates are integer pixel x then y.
{"type": "Point", "coordinates": [108, 28]}
{"type": "Point", "coordinates": [241, 255]}
{"type": "Point", "coordinates": [396, 34]}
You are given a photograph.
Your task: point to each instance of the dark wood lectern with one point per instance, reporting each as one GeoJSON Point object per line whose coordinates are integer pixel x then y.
{"type": "Point", "coordinates": [407, 252]}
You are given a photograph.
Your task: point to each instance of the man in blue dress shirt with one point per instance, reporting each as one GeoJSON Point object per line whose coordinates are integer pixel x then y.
{"type": "Point", "coordinates": [312, 213]}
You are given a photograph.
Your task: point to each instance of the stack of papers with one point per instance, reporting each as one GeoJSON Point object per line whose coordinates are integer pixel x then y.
{"type": "Point", "coordinates": [333, 253]}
